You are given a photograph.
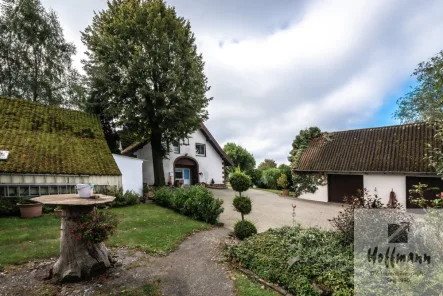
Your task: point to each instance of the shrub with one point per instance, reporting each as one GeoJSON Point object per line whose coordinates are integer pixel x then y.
{"type": "Point", "coordinates": [282, 181]}
{"type": "Point", "coordinates": [344, 222]}
{"type": "Point", "coordinates": [95, 227]}
{"type": "Point", "coordinates": [212, 181]}
{"type": "Point", "coordinates": [243, 205]}
{"type": "Point", "coordinates": [194, 201]}
{"type": "Point", "coordinates": [256, 178]}
{"type": "Point", "coordinates": [244, 229]}
{"type": "Point", "coordinates": [124, 199]}
{"type": "Point", "coordinates": [8, 206]}
{"type": "Point", "coordinates": [269, 178]}
{"type": "Point", "coordinates": [295, 258]}
{"type": "Point", "coordinates": [239, 181]}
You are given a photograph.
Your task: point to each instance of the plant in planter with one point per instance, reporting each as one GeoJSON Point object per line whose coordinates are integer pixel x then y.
{"type": "Point", "coordinates": [58, 211]}
{"type": "Point", "coordinates": [29, 208]}
{"type": "Point", "coordinates": [282, 181]}
{"type": "Point", "coordinates": [212, 181]}
{"type": "Point", "coordinates": [95, 227]}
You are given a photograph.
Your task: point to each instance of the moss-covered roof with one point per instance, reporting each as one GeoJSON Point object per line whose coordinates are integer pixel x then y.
{"type": "Point", "coordinates": [44, 139]}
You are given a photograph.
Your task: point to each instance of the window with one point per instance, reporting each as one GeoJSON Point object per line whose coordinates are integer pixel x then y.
{"type": "Point", "coordinates": [200, 149]}
{"type": "Point", "coordinates": [179, 174]}
{"type": "Point", "coordinates": [176, 146]}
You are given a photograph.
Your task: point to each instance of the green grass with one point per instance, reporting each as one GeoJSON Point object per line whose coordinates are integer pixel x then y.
{"type": "Point", "coordinates": [148, 228]}
{"type": "Point", "coordinates": [274, 191]}
{"type": "Point", "coordinates": [247, 287]}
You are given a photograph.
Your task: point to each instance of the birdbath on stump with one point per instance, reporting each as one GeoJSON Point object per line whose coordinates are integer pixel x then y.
{"type": "Point", "coordinates": [78, 260]}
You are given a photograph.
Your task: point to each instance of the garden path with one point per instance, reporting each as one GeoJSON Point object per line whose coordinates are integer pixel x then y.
{"type": "Point", "coordinates": [195, 268]}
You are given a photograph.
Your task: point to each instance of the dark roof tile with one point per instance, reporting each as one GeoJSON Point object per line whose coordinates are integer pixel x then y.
{"type": "Point", "coordinates": [399, 148]}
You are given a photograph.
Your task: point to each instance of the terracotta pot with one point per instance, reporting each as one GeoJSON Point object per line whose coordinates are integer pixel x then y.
{"type": "Point", "coordinates": [30, 210]}
{"type": "Point", "coordinates": [146, 194]}
{"type": "Point", "coordinates": [150, 194]}
{"type": "Point", "coordinates": [58, 213]}
{"type": "Point", "coordinates": [285, 192]}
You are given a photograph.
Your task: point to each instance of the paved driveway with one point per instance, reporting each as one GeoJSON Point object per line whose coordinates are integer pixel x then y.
{"type": "Point", "coordinates": [270, 210]}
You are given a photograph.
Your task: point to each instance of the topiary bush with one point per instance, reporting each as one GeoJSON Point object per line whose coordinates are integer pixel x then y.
{"type": "Point", "coordinates": [240, 182]}
{"type": "Point", "coordinates": [282, 181]}
{"type": "Point", "coordinates": [243, 205]}
{"type": "Point", "coordinates": [196, 202]}
{"type": "Point", "coordinates": [244, 229]}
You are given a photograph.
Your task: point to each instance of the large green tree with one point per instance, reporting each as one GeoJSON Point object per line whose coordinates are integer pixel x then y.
{"type": "Point", "coordinates": [240, 157]}
{"type": "Point", "coordinates": [146, 74]}
{"type": "Point", "coordinates": [425, 101]}
{"type": "Point", "coordinates": [267, 164]}
{"type": "Point", "coordinates": [35, 58]}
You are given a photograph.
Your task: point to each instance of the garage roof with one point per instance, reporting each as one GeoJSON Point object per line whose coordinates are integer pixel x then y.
{"type": "Point", "coordinates": [390, 149]}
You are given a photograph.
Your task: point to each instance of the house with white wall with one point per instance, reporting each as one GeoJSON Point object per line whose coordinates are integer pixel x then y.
{"type": "Point", "coordinates": [380, 160]}
{"type": "Point", "coordinates": [197, 159]}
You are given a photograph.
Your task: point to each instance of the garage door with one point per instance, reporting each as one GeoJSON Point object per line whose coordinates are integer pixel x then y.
{"type": "Point", "coordinates": [340, 186]}
{"type": "Point", "coordinates": [428, 194]}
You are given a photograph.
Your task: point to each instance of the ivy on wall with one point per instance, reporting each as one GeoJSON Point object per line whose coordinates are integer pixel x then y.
{"type": "Point", "coordinates": [304, 182]}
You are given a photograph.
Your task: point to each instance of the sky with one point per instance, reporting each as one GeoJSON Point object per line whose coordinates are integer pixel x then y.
{"type": "Point", "coordinates": [276, 67]}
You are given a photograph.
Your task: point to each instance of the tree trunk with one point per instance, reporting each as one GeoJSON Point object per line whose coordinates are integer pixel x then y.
{"type": "Point", "coordinates": [78, 260]}
{"type": "Point", "coordinates": [157, 159]}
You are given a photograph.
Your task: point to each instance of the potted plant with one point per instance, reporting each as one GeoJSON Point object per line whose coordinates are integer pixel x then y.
{"type": "Point", "coordinates": [29, 208]}
{"type": "Point", "coordinates": [58, 211]}
{"type": "Point", "coordinates": [282, 181]}
{"type": "Point", "coordinates": [212, 182]}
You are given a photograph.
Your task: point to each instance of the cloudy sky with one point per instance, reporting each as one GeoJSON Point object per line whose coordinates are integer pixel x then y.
{"type": "Point", "coordinates": [279, 66]}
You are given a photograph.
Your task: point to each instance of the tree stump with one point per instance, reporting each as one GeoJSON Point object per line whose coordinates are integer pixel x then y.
{"type": "Point", "coordinates": [78, 260]}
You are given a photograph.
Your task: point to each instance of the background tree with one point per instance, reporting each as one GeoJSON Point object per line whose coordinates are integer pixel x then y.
{"type": "Point", "coordinates": [425, 101]}
{"type": "Point", "coordinates": [240, 157]}
{"type": "Point", "coordinates": [286, 169]}
{"type": "Point", "coordinates": [146, 73]}
{"type": "Point", "coordinates": [267, 164]}
{"type": "Point", "coordinates": [35, 58]}
{"type": "Point", "coordinates": [304, 182]}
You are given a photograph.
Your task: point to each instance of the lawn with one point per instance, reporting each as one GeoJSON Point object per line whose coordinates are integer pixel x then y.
{"type": "Point", "coordinates": [247, 287]}
{"type": "Point", "coordinates": [145, 227]}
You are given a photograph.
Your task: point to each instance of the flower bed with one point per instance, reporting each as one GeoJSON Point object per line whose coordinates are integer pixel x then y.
{"type": "Point", "coordinates": [303, 261]}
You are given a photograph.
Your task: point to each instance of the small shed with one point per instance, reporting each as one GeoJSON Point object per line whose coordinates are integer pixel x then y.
{"type": "Point", "coordinates": [47, 150]}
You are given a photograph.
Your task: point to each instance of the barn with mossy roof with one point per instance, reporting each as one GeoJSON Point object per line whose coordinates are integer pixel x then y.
{"type": "Point", "coordinates": [48, 150]}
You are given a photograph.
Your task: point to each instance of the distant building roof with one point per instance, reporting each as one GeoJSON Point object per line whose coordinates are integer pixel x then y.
{"type": "Point", "coordinates": [44, 139]}
{"type": "Point", "coordinates": [390, 149]}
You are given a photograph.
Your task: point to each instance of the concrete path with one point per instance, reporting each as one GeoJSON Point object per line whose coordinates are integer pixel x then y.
{"type": "Point", "coordinates": [194, 269]}
{"type": "Point", "coordinates": [271, 211]}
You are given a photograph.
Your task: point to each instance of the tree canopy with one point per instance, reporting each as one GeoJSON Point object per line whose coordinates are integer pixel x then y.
{"type": "Point", "coordinates": [267, 164]}
{"type": "Point", "coordinates": [425, 101]}
{"type": "Point", "coordinates": [240, 157]}
{"type": "Point", "coordinates": [145, 73]}
{"type": "Point", "coordinates": [35, 58]}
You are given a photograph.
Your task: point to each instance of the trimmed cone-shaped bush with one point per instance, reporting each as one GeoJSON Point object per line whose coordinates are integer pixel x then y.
{"type": "Point", "coordinates": [242, 204]}
{"type": "Point", "coordinates": [239, 181]}
{"type": "Point", "coordinates": [244, 229]}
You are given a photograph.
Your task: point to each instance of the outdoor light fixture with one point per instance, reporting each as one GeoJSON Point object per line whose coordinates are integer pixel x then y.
{"type": "Point", "coordinates": [4, 154]}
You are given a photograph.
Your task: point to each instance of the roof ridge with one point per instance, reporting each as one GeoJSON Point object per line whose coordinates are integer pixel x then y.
{"type": "Point", "coordinates": [386, 126]}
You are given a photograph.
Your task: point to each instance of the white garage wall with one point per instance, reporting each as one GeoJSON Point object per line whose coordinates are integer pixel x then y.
{"type": "Point", "coordinates": [132, 172]}
{"type": "Point", "coordinates": [384, 185]}
{"type": "Point", "coordinates": [320, 195]}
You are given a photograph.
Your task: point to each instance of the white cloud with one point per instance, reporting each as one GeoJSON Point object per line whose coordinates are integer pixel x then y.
{"type": "Point", "coordinates": [276, 67]}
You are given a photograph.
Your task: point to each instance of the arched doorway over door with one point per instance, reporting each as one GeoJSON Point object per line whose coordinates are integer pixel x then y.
{"type": "Point", "coordinates": [185, 171]}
